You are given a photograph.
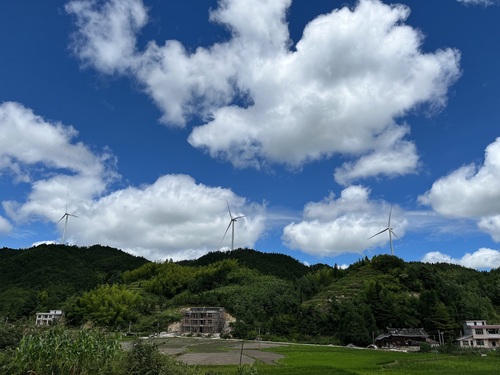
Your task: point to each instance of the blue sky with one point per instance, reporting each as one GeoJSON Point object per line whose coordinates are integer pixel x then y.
{"type": "Point", "coordinates": [311, 119]}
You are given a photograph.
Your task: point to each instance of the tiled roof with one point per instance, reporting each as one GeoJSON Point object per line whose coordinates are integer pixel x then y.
{"type": "Point", "coordinates": [403, 332]}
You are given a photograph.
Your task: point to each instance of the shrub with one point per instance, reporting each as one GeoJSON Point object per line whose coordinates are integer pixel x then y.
{"type": "Point", "coordinates": [247, 370]}
{"type": "Point", "coordinates": [11, 334]}
{"type": "Point", "coordinates": [449, 348]}
{"type": "Point", "coordinates": [144, 358]}
{"type": "Point", "coordinates": [425, 347]}
{"type": "Point", "coordinates": [6, 362]}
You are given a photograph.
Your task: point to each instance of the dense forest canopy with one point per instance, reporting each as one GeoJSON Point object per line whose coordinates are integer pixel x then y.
{"type": "Point", "coordinates": [271, 295]}
{"type": "Point", "coordinates": [43, 277]}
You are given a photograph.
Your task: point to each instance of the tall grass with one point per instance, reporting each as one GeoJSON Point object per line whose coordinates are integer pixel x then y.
{"type": "Point", "coordinates": [57, 350]}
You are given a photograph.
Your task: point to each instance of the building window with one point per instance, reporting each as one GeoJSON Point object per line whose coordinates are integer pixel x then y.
{"type": "Point", "coordinates": [479, 331]}
{"type": "Point", "coordinates": [493, 331]}
{"type": "Point", "coordinates": [480, 342]}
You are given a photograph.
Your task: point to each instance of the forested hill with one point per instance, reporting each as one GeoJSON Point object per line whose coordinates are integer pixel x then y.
{"type": "Point", "coordinates": [326, 303]}
{"type": "Point", "coordinates": [45, 275]}
{"type": "Point", "coordinates": [271, 295]}
{"type": "Point", "coordinates": [274, 264]}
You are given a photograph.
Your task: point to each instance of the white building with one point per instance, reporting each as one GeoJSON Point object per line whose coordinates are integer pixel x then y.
{"type": "Point", "coordinates": [479, 334]}
{"type": "Point", "coordinates": [45, 318]}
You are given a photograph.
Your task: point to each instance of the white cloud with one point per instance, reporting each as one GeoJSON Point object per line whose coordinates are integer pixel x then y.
{"type": "Point", "coordinates": [476, 2]}
{"type": "Point", "coordinates": [398, 158]}
{"type": "Point", "coordinates": [343, 225]}
{"type": "Point", "coordinates": [173, 218]}
{"type": "Point", "coordinates": [481, 259]}
{"type": "Point", "coordinates": [5, 226]}
{"type": "Point", "coordinates": [491, 225]}
{"type": "Point", "coordinates": [27, 139]}
{"type": "Point", "coordinates": [106, 38]}
{"type": "Point", "coordinates": [36, 151]}
{"type": "Point", "coordinates": [264, 103]}
{"type": "Point", "coordinates": [471, 192]}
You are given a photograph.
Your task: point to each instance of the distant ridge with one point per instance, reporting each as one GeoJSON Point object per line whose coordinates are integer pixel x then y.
{"type": "Point", "coordinates": [275, 264]}
{"type": "Point", "coordinates": [44, 264]}
{"type": "Point", "coordinates": [52, 273]}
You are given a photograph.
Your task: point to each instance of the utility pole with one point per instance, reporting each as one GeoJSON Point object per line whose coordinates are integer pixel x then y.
{"type": "Point", "coordinates": [241, 352]}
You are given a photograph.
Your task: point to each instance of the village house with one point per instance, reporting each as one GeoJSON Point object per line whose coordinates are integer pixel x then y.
{"type": "Point", "coordinates": [477, 333]}
{"type": "Point", "coordinates": [46, 318]}
{"type": "Point", "coordinates": [399, 337]}
{"type": "Point", "coordinates": [203, 320]}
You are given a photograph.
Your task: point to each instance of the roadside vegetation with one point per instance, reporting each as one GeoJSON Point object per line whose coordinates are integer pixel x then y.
{"type": "Point", "coordinates": [57, 350]}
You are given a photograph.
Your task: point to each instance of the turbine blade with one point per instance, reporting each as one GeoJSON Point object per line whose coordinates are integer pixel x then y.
{"type": "Point", "coordinates": [63, 216]}
{"type": "Point", "coordinates": [229, 226]}
{"type": "Point", "coordinates": [229, 210]}
{"type": "Point", "coordinates": [394, 234]}
{"type": "Point", "coordinates": [389, 222]}
{"type": "Point", "coordinates": [382, 231]}
{"type": "Point", "coordinates": [238, 217]}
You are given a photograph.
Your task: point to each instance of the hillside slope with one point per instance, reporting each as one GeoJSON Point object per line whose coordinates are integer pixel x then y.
{"type": "Point", "coordinates": [44, 276]}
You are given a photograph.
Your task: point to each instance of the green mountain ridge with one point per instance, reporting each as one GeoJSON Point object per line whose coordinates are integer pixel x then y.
{"type": "Point", "coordinates": [275, 264]}
{"type": "Point", "coordinates": [270, 294]}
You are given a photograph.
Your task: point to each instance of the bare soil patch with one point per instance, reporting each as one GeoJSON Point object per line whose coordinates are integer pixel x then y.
{"type": "Point", "coordinates": [230, 358]}
{"type": "Point", "coordinates": [204, 351]}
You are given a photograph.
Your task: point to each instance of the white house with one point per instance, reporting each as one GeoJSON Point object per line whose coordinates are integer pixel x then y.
{"type": "Point", "coordinates": [45, 318]}
{"type": "Point", "coordinates": [479, 334]}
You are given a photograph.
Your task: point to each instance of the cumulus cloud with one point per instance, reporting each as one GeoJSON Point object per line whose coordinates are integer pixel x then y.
{"type": "Point", "coordinates": [397, 158]}
{"type": "Point", "coordinates": [343, 225]}
{"type": "Point", "coordinates": [481, 259]}
{"type": "Point", "coordinates": [106, 36]}
{"type": "Point", "coordinates": [471, 192]}
{"type": "Point", "coordinates": [39, 152]}
{"type": "Point", "coordinates": [338, 90]}
{"type": "Point", "coordinates": [173, 218]}
{"type": "Point", "coordinates": [27, 139]}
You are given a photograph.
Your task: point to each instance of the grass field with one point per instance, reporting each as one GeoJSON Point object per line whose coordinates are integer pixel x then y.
{"type": "Point", "coordinates": [328, 360]}
{"type": "Point", "coordinates": [325, 360]}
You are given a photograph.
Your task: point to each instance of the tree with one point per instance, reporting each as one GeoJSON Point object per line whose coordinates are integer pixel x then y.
{"type": "Point", "coordinates": [107, 305]}
{"type": "Point", "coordinates": [353, 327]}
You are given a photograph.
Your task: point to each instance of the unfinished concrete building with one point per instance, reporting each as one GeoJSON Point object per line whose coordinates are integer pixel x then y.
{"type": "Point", "coordinates": [203, 320]}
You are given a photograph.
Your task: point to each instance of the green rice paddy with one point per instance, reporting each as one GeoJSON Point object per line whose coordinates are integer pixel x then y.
{"type": "Point", "coordinates": [324, 360]}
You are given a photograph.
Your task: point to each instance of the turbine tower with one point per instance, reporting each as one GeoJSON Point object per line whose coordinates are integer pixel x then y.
{"type": "Point", "coordinates": [65, 216]}
{"type": "Point", "coordinates": [232, 220]}
{"type": "Point", "coordinates": [390, 230]}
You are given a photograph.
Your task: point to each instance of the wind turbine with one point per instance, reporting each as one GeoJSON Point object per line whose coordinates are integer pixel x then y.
{"type": "Point", "coordinates": [231, 224]}
{"type": "Point", "coordinates": [390, 230]}
{"type": "Point", "coordinates": [65, 216]}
